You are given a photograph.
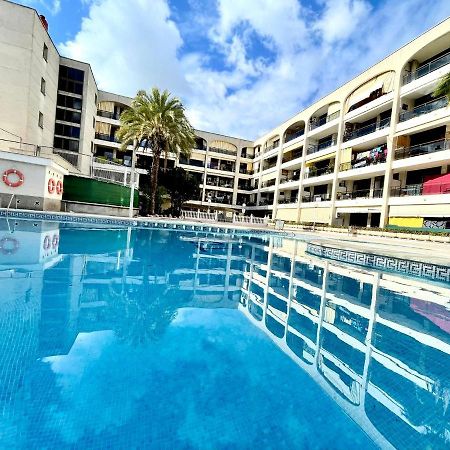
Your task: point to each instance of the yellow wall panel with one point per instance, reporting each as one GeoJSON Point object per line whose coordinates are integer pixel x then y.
{"type": "Point", "coordinates": [317, 215]}
{"type": "Point", "coordinates": [289, 214]}
{"type": "Point", "coordinates": [411, 222]}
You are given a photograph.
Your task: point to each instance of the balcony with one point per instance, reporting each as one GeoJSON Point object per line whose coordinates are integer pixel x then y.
{"type": "Point", "coordinates": [308, 198]}
{"type": "Point", "coordinates": [365, 159]}
{"type": "Point", "coordinates": [286, 201]}
{"type": "Point", "coordinates": [291, 137]}
{"type": "Point", "coordinates": [289, 179]}
{"type": "Point", "coordinates": [421, 189]}
{"type": "Point", "coordinates": [108, 114]}
{"type": "Point", "coordinates": [246, 172]}
{"type": "Point", "coordinates": [317, 172]}
{"type": "Point", "coordinates": [245, 187]}
{"type": "Point", "coordinates": [291, 156]}
{"type": "Point", "coordinates": [314, 148]}
{"type": "Point", "coordinates": [368, 129]}
{"type": "Point", "coordinates": [360, 193]}
{"type": "Point", "coordinates": [106, 137]}
{"type": "Point", "coordinates": [426, 108]}
{"type": "Point", "coordinates": [223, 167]}
{"type": "Point", "coordinates": [268, 183]}
{"type": "Point", "coordinates": [219, 183]}
{"type": "Point", "coordinates": [427, 68]}
{"type": "Point", "coordinates": [272, 146]}
{"type": "Point", "coordinates": [322, 121]}
{"type": "Point", "coordinates": [222, 150]}
{"type": "Point", "coordinates": [422, 149]}
{"type": "Point", "coordinates": [269, 166]}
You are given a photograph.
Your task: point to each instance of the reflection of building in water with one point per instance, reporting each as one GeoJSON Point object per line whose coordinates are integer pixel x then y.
{"type": "Point", "coordinates": [27, 249]}
{"type": "Point", "coordinates": [378, 344]}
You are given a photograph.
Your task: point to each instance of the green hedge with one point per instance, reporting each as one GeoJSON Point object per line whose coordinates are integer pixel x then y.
{"type": "Point", "coordinates": [87, 190]}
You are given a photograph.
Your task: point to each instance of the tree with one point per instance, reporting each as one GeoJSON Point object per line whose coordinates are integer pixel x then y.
{"type": "Point", "coordinates": [443, 88]}
{"type": "Point", "coordinates": [181, 187]}
{"type": "Point", "coordinates": [156, 121]}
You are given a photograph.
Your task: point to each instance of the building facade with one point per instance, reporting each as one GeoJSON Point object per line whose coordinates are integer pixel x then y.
{"type": "Point", "coordinates": [373, 152]}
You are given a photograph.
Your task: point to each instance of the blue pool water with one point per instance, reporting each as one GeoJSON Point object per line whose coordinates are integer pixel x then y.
{"type": "Point", "coordinates": [139, 338]}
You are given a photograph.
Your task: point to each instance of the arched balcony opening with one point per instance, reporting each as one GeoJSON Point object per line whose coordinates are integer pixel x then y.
{"type": "Point", "coordinates": [272, 143]}
{"type": "Point", "coordinates": [294, 131]}
{"type": "Point", "coordinates": [223, 147]}
{"type": "Point", "coordinates": [200, 143]}
{"type": "Point", "coordinates": [324, 115]}
{"type": "Point", "coordinates": [371, 90]}
{"type": "Point", "coordinates": [433, 57]}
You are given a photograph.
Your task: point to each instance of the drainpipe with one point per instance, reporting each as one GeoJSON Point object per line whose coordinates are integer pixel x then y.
{"type": "Point", "coordinates": [133, 167]}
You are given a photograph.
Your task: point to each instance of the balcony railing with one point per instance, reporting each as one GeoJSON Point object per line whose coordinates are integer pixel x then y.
{"type": "Point", "coordinates": [365, 162]}
{"type": "Point", "coordinates": [418, 189]}
{"type": "Point", "coordinates": [246, 172]}
{"type": "Point", "coordinates": [265, 202]}
{"type": "Point", "coordinates": [313, 148]}
{"type": "Point", "coordinates": [285, 201]}
{"type": "Point", "coordinates": [427, 68]}
{"type": "Point", "coordinates": [222, 150]}
{"type": "Point", "coordinates": [314, 172]}
{"type": "Point", "coordinates": [271, 147]}
{"type": "Point", "coordinates": [108, 114]}
{"type": "Point", "coordinates": [289, 179]}
{"type": "Point", "coordinates": [368, 129]}
{"type": "Point", "coordinates": [316, 198]}
{"type": "Point", "coordinates": [360, 193]}
{"type": "Point", "coordinates": [319, 122]}
{"type": "Point", "coordinates": [106, 137]}
{"type": "Point", "coordinates": [291, 156]}
{"type": "Point", "coordinates": [219, 183]}
{"type": "Point", "coordinates": [245, 187]}
{"type": "Point", "coordinates": [268, 183]}
{"type": "Point", "coordinates": [426, 108]}
{"type": "Point", "coordinates": [422, 149]}
{"type": "Point", "coordinates": [221, 167]}
{"type": "Point", "coordinates": [291, 137]}
{"type": "Point", "coordinates": [269, 166]}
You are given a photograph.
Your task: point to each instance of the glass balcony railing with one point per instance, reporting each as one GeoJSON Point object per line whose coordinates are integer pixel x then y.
{"type": "Point", "coordinates": [422, 149]}
{"type": "Point", "coordinates": [285, 201]}
{"type": "Point", "coordinates": [225, 168]}
{"type": "Point", "coordinates": [308, 198]}
{"type": "Point", "coordinates": [106, 137]}
{"type": "Point", "coordinates": [291, 137]}
{"type": "Point", "coordinates": [313, 148]}
{"type": "Point", "coordinates": [291, 156]}
{"type": "Point", "coordinates": [289, 179]}
{"type": "Point", "coordinates": [364, 162]}
{"type": "Point", "coordinates": [272, 146]}
{"type": "Point", "coordinates": [368, 129]}
{"type": "Point", "coordinates": [269, 166]}
{"type": "Point", "coordinates": [317, 172]}
{"type": "Point", "coordinates": [322, 121]}
{"type": "Point", "coordinates": [108, 114]}
{"type": "Point", "coordinates": [360, 193]}
{"type": "Point", "coordinates": [421, 189]}
{"type": "Point", "coordinates": [222, 150]}
{"type": "Point", "coordinates": [424, 109]}
{"type": "Point", "coordinates": [427, 68]}
{"type": "Point", "coordinates": [268, 183]}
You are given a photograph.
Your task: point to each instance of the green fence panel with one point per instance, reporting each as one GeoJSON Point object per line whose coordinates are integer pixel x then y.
{"type": "Point", "coordinates": [87, 190]}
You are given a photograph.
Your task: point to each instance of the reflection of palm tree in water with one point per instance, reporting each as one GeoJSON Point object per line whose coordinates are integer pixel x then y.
{"type": "Point", "coordinates": [141, 312]}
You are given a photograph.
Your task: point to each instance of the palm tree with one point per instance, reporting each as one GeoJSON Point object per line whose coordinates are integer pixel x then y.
{"type": "Point", "coordinates": [156, 120]}
{"type": "Point", "coordinates": [443, 88]}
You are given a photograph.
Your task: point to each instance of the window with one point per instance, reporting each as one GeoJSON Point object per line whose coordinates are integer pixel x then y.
{"type": "Point", "coordinates": [45, 53]}
{"type": "Point", "coordinates": [66, 144]}
{"type": "Point", "coordinates": [67, 130]}
{"type": "Point", "coordinates": [96, 99]}
{"type": "Point", "coordinates": [41, 120]}
{"type": "Point", "coordinates": [68, 116]}
{"type": "Point", "coordinates": [43, 86]}
{"type": "Point", "coordinates": [71, 80]}
{"type": "Point", "coordinates": [93, 121]}
{"type": "Point", "coordinates": [69, 102]}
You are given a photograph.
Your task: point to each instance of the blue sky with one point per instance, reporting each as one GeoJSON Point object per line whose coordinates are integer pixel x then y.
{"type": "Point", "coordinates": [240, 66]}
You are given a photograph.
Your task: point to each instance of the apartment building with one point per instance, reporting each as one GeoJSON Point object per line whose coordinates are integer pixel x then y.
{"type": "Point", "coordinates": [373, 152]}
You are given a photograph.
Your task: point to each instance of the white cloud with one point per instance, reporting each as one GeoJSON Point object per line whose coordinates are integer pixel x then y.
{"type": "Point", "coordinates": [310, 52]}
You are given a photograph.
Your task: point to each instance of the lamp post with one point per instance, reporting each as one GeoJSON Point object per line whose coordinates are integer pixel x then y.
{"type": "Point", "coordinates": [243, 208]}
{"type": "Point", "coordinates": [209, 203]}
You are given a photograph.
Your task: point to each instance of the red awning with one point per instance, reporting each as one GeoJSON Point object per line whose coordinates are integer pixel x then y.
{"type": "Point", "coordinates": [437, 184]}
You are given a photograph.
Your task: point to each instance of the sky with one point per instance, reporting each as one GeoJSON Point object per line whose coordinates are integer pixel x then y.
{"type": "Point", "coordinates": [241, 67]}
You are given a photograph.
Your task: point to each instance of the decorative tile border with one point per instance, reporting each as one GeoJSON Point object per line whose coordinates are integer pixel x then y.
{"type": "Point", "coordinates": [141, 223]}
{"type": "Point", "coordinates": [416, 269]}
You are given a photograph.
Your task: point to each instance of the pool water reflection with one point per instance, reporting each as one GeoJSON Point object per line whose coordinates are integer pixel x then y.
{"type": "Point", "coordinates": [133, 338]}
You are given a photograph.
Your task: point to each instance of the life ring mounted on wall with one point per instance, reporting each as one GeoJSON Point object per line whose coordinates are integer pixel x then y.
{"type": "Point", "coordinates": [17, 174]}
{"type": "Point", "coordinates": [9, 245]}
{"type": "Point", "coordinates": [51, 186]}
{"type": "Point", "coordinates": [59, 187]}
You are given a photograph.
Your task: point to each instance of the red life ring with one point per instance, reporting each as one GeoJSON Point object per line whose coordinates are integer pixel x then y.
{"type": "Point", "coordinates": [55, 241]}
{"type": "Point", "coordinates": [18, 173]}
{"type": "Point", "coordinates": [59, 187]}
{"type": "Point", "coordinates": [47, 243]}
{"type": "Point", "coordinates": [51, 186]}
{"type": "Point", "coordinates": [7, 249]}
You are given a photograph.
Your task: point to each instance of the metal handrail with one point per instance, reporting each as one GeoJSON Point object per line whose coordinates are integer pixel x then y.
{"type": "Point", "coordinates": [367, 129]}
{"type": "Point", "coordinates": [422, 149]}
{"type": "Point", "coordinates": [291, 137]}
{"type": "Point", "coordinates": [427, 68]}
{"type": "Point", "coordinates": [324, 120]}
{"type": "Point", "coordinates": [425, 108]}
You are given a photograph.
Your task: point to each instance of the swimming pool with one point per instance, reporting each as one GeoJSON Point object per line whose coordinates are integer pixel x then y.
{"type": "Point", "coordinates": [148, 338]}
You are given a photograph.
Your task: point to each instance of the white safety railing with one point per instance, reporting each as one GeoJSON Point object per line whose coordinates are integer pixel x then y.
{"type": "Point", "coordinates": [251, 219]}
{"type": "Point", "coordinates": [199, 215]}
